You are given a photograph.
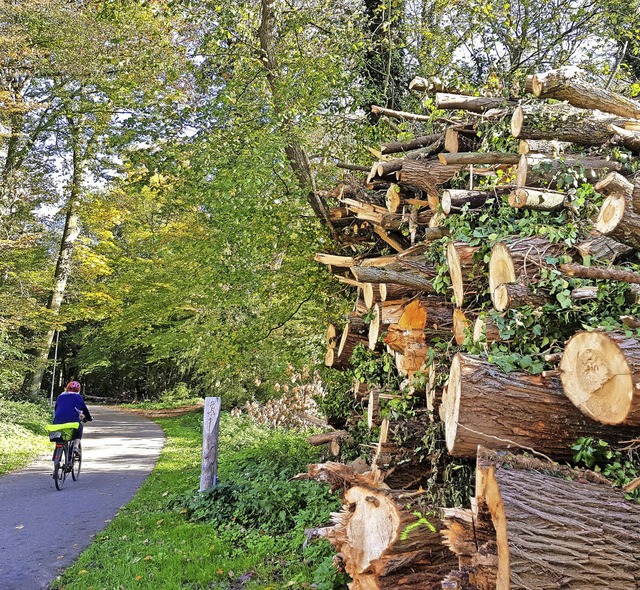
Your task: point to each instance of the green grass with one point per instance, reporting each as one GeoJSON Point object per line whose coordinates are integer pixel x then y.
{"type": "Point", "coordinates": [22, 436]}
{"type": "Point", "coordinates": [245, 534]}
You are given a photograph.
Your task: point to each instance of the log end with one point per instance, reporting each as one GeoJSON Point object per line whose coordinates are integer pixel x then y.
{"type": "Point", "coordinates": [610, 215]}
{"type": "Point", "coordinates": [517, 120]}
{"type": "Point", "coordinates": [501, 267]}
{"type": "Point", "coordinates": [450, 406]}
{"type": "Point", "coordinates": [597, 378]}
{"type": "Point", "coordinates": [455, 272]}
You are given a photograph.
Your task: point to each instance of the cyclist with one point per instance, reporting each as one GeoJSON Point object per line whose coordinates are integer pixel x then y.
{"type": "Point", "coordinates": [70, 407]}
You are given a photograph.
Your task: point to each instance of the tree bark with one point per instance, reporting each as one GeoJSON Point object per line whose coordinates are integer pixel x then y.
{"type": "Point", "coordinates": [599, 247]}
{"type": "Point", "coordinates": [557, 528]}
{"type": "Point", "coordinates": [530, 198]}
{"type": "Point", "coordinates": [427, 176]}
{"type": "Point", "coordinates": [537, 169]}
{"type": "Point", "coordinates": [479, 158]}
{"type": "Point", "coordinates": [520, 261]}
{"type": "Point", "coordinates": [484, 406]}
{"type": "Point", "coordinates": [564, 84]}
{"type": "Point", "coordinates": [394, 147]}
{"type": "Point", "coordinates": [628, 138]}
{"type": "Point", "coordinates": [605, 274]}
{"type": "Point", "coordinates": [600, 374]}
{"type": "Point", "coordinates": [473, 104]}
{"type": "Point", "coordinates": [514, 295]}
{"type": "Point", "coordinates": [413, 280]}
{"type": "Point", "coordinates": [563, 123]}
{"type": "Point", "coordinates": [541, 146]}
{"type": "Point", "coordinates": [456, 199]}
{"type": "Point", "coordinates": [460, 139]}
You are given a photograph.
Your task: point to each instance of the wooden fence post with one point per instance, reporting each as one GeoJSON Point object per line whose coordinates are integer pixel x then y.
{"type": "Point", "coordinates": [209, 474]}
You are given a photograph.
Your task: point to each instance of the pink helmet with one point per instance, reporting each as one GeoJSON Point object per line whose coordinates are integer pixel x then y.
{"type": "Point", "coordinates": [73, 386]}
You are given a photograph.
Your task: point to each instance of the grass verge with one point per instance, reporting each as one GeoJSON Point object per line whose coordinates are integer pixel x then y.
{"type": "Point", "coordinates": [247, 533]}
{"type": "Point", "coordinates": [22, 436]}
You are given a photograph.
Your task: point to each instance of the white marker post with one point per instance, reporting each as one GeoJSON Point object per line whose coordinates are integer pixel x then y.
{"type": "Point", "coordinates": [209, 475]}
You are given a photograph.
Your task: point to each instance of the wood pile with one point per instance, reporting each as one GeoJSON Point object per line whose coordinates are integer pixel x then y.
{"type": "Point", "coordinates": [449, 303]}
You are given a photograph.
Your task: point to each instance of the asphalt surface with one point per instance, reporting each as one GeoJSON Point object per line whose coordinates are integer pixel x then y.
{"type": "Point", "coordinates": [42, 530]}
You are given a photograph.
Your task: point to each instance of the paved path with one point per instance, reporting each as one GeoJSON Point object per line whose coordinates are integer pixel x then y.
{"type": "Point", "coordinates": [42, 530]}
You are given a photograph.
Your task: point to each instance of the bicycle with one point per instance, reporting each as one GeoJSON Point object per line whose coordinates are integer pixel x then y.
{"type": "Point", "coordinates": [67, 456]}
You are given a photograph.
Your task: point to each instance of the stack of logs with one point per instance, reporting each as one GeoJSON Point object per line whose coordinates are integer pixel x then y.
{"type": "Point", "coordinates": [532, 523]}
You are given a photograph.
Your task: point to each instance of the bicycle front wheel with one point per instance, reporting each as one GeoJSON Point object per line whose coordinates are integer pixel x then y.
{"type": "Point", "coordinates": [76, 461]}
{"type": "Point", "coordinates": [59, 469]}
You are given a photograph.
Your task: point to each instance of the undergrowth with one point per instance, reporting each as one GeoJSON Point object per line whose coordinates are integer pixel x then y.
{"type": "Point", "coordinates": [247, 533]}
{"type": "Point", "coordinates": [22, 436]}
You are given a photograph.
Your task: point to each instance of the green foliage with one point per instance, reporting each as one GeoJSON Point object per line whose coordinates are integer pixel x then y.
{"type": "Point", "coordinates": [22, 435]}
{"type": "Point", "coordinates": [337, 403]}
{"type": "Point", "coordinates": [621, 467]}
{"type": "Point", "coordinates": [374, 368]}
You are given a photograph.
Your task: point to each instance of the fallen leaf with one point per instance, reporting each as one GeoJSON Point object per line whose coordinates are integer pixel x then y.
{"type": "Point", "coordinates": [138, 578]}
{"type": "Point", "coordinates": [148, 558]}
{"type": "Point", "coordinates": [20, 526]}
{"type": "Point", "coordinates": [83, 572]}
{"type": "Point", "coordinates": [160, 521]}
{"type": "Point", "coordinates": [60, 557]}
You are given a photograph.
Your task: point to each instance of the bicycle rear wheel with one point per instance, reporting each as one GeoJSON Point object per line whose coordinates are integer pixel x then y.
{"type": "Point", "coordinates": [76, 461]}
{"type": "Point", "coordinates": [59, 468]}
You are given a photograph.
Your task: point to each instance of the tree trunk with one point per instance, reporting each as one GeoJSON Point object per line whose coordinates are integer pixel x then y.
{"type": "Point", "coordinates": [458, 139]}
{"type": "Point", "coordinates": [541, 146]}
{"type": "Point", "coordinates": [473, 104]}
{"type": "Point", "coordinates": [557, 528]}
{"type": "Point", "coordinates": [563, 123]}
{"type": "Point", "coordinates": [604, 274]}
{"type": "Point", "coordinates": [536, 169]}
{"type": "Point", "coordinates": [564, 84]}
{"type": "Point", "coordinates": [456, 199]}
{"type": "Point", "coordinates": [372, 294]}
{"type": "Point", "coordinates": [427, 176]}
{"type": "Point", "coordinates": [599, 247]}
{"type": "Point", "coordinates": [394, 147]}
{"type": "Point", "coordinates": [413, 280]}
{"type": "Point", "coordinates": [63, 271]}
{"type": "Point", "coordinates": [520, 261]}
{"type": "Point", "coordinates": [529, 198]}
{"type": "Point", "coordinates": [626, 137]}
{"type": "Point", "coordinates": [484, 406]}
{"type": "Point", "coordinates": [479, 158]}
{"type": "Point", "coordinates": [600, 374]}
{"type": "Point", "coordinates": [514, 295]}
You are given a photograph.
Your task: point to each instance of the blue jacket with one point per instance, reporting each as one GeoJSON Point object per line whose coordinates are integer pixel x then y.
{"type": "Point", "coordinates": [68, 407]}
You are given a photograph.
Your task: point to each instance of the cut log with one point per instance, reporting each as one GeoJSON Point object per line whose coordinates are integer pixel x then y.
{"type": "Point", "coordinates": [327, 437]}
{"type": "Point", "coordinates": [530, 198]}
{"type": "Point", "coordinates": [520, 261]}
{"type": "Point", "coordinates": [338, 475]}
{"type": "Point", "coordinates": [354, 333]}
{"type": "Point", "coordinates": [540, 146]}
{"type": "Point", "coordinates": [394, 147]}
{"type": "Point", "coordinates": [467, 275]}
{"type": "Point", "coordinates": [486, 330]}
{"type": "Point", "coordinates": [458, 139]}
{"type": "Point", "coordinates": [485, 406]}
{"type": "Point", "coordinates": [627, 138]}
{"type": "Point", "coordinates": [413, 280]}
{"type": "Point", "coordinates": [563, 123]}
{"type": "Point", "coordinates": [333, 260]}
{"type": "Point", "coordinates": [330, 336]}
{"type": "Point", "coordinates": [537, 170]}
{"type": "Point", "coordinates": [402, 115]}
{"type": "Point", "coordinates": [456, 199]}
{"type": "Point", "coordinates": [431, 84]}
{"type": "Point", "coordinates": [372, 294]}
{"type": "Point", "coordinates": [390, 539]}
{"type": "Point", "coordinates": [595, 273]}
{"type": "Point", "coordinates": [599, 247]}
{"type": "Point", "coordinates": [461, 326]}
{"type": "Point", "coordinates": [557, 528]}
{"type": "Point", "coordinates": [478, 158]}
{"type": "Point", "coordinates": [412, 360]}
{"type": "Point", "coordinates": [384, 314]}
{"type": "Point", "coordinates": [567, 84]}
{"type": "Point", "coordinates": [601, 376]}
{"type": "Point", "coordinates": [473, 104]}
{"type": "Point", "coordinates": [614, 184]}
{"type": "Point", "coordinates": [427, 176]}
{"type": "Point", "coordinates": [514, 295]}
{"type": "Point", "coordinates": [332, 360]}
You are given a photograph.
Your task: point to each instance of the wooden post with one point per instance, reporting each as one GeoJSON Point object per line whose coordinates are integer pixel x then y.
{"type": "Point", "coordinates": [209, 474]}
